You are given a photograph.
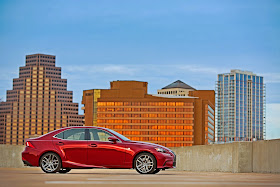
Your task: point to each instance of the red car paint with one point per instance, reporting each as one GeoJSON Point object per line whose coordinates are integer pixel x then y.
{"type": "Point", "coordinates": [94, 154]}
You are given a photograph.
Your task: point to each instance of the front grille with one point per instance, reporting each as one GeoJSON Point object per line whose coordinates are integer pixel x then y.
{"type": "Point", "coordinates": [174, 161]}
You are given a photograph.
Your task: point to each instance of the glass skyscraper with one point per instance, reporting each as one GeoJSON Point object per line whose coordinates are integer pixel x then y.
{"type": "Point", "coordinates": [240, 107]}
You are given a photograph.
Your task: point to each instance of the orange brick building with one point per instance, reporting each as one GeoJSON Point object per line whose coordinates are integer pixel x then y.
{"type": "Point", "coordinates": [171, 121]}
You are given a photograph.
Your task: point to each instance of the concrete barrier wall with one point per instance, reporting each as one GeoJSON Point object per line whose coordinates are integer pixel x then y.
{"type": "Point", "coordinates": [259, 156]}
{"type": "Point", "coordinates": [233, 157]}
{"type": "Point", "coordinates": [10, 156]}
{"type": "Point", "coordinates": [266, 157]}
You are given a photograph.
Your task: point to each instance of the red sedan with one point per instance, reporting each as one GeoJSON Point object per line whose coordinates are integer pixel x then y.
{"type": "Point", "coordinates": [94, 147]}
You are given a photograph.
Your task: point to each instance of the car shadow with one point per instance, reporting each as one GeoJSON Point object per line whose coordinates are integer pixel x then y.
{"type": "Point", "coordinates": [116, 174]}
{"type": "Point", "coordinates": [75, 173]}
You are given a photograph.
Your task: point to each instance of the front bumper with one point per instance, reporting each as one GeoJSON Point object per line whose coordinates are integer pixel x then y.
{"type": "Point", "coordinates": [170, 163]}
{"type": "Point", "coordinates": [174, 161]}
{"type": "Point", "coordinates": [167, 161]}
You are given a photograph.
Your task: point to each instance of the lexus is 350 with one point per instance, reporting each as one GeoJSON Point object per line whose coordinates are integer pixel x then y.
{"type": "Point", "coordinates": [94, 147]}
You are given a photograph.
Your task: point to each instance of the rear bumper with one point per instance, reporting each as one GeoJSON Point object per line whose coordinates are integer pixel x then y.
{"type": "Point", "coordinates": [26, 163]}
{"type": "Point", "coordinates": [30, 157]}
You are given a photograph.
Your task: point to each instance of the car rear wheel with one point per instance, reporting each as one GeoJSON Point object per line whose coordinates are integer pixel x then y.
{"type": "Point", "coordinates": [50, 163]}
{"type": "Point", "coordinates": [145, 163]}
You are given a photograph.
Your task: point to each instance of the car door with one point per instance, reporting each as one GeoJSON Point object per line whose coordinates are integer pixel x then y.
{"type": "Point", "coordinates": [102, 152]}
{"type": "Point", "coordinates": [72, 145]}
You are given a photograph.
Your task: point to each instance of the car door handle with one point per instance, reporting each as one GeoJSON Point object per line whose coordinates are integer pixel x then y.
{"type": "Point", "coordinates": [92, 145]}
{"type": "Point", "coordinates": [60, 143]}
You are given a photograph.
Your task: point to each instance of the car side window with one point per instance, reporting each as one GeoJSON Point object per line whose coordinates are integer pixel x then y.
{"type": "Point", "coordinates": [103, 136]}
{"type": "Point", "coordinates": [60, 135]}
{"type": "Point", "coordinates": [99, 135]}
{"type": "Point", "coordinates": [72, 134]}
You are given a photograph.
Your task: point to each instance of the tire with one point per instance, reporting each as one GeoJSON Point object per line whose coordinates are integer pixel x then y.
{"type": "Point", "coordinates": [145, 163]}
{"type": "Point", "coordinates": [64, 170]}
{"type": "Point", "coordinates": [156, 171]}
{"type": "Point", "coordinates": [50, 162]}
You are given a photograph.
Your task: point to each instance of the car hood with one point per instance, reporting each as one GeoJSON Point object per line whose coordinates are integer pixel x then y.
{"type": "Point", "coordinates": [150, 144]}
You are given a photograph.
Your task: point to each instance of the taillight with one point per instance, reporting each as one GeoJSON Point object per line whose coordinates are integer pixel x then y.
{"type": "Point", "coordinates": [29, 144]}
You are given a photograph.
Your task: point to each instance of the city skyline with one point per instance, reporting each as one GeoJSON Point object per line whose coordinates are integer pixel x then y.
{"type": "Point", "coordinates": [157, 42]}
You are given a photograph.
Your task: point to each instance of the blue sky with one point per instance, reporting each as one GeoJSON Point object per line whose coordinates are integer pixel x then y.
{"type": "Point", "coordinates": [96, 42]}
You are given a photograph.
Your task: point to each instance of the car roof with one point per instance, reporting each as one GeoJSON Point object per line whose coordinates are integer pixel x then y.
{"type": "Point", "coordinates": [52, 133]}
{"type": "Point", "coordinates": [78, 127]}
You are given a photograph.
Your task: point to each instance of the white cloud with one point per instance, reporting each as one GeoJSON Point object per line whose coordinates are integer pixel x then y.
{"type": "Point", "coordinates": [76, 68]}
{"type": "Point", "coordinates": [203, 69]}
{"type": "Point", "coordinates": [145, 68]}
{"type": "Point", "coordinates": [273, 121]}
{"type": "Point", "coordinates": [271, 77]}
{"type": "Point", "coordinates": [105, 68]}
{"type": "Point", "coordinates": [157, 76]}
{"type": "Point", "coordinates": [119, 69]}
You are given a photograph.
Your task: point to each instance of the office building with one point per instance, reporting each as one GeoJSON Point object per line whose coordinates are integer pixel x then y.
{"type": "Point", "coordinates": [240, 106]}
{"type": "Point", "coordinates": [168, 120]}
{"type": "Point", "coordinates": [38, 103]}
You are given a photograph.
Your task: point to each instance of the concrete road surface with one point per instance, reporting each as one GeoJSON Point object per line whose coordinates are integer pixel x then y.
{"type": "Point", "coordinates": [11, 177]}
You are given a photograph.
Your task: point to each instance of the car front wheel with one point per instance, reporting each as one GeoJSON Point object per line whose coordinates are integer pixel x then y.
{"type": "Point", "coordinates": [50, 163]}
{"type": "Point", "coordinates": [145, 163]}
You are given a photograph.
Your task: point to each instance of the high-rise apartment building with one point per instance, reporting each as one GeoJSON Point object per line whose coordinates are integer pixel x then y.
{"type": "Point", "coordinates": [38, 103]}
{"type": "Point", "coordinates": [168, 120]}
{"type": "Point", "coordinates": [240, 107]}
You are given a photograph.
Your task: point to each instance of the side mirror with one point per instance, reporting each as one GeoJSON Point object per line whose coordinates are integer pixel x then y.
{"type": "Point", "coordinates": [113, 139]}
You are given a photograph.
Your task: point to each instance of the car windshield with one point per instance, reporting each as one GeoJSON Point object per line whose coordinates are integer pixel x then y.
{"type": "Point", "coordinates": [119, 135]}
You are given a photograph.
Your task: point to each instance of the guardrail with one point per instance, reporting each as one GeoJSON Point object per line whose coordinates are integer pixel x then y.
{"type": "Point", "coordinates": [237, 157]}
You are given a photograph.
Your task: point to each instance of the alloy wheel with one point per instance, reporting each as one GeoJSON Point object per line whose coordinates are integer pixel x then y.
{"type": "Point", "coordinates": [50, 163]}
{"type": "Point", "coordinates": [145, 164]}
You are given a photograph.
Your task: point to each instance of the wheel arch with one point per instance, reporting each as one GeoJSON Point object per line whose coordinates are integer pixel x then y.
{"type": "Point", "coordinates": [133, 162]}
{"type": "Point", "coordinates": [49, 151]}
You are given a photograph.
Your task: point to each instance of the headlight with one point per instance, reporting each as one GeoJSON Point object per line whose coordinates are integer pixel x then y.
{"type": "Point", "coordinates": [160, 150]}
